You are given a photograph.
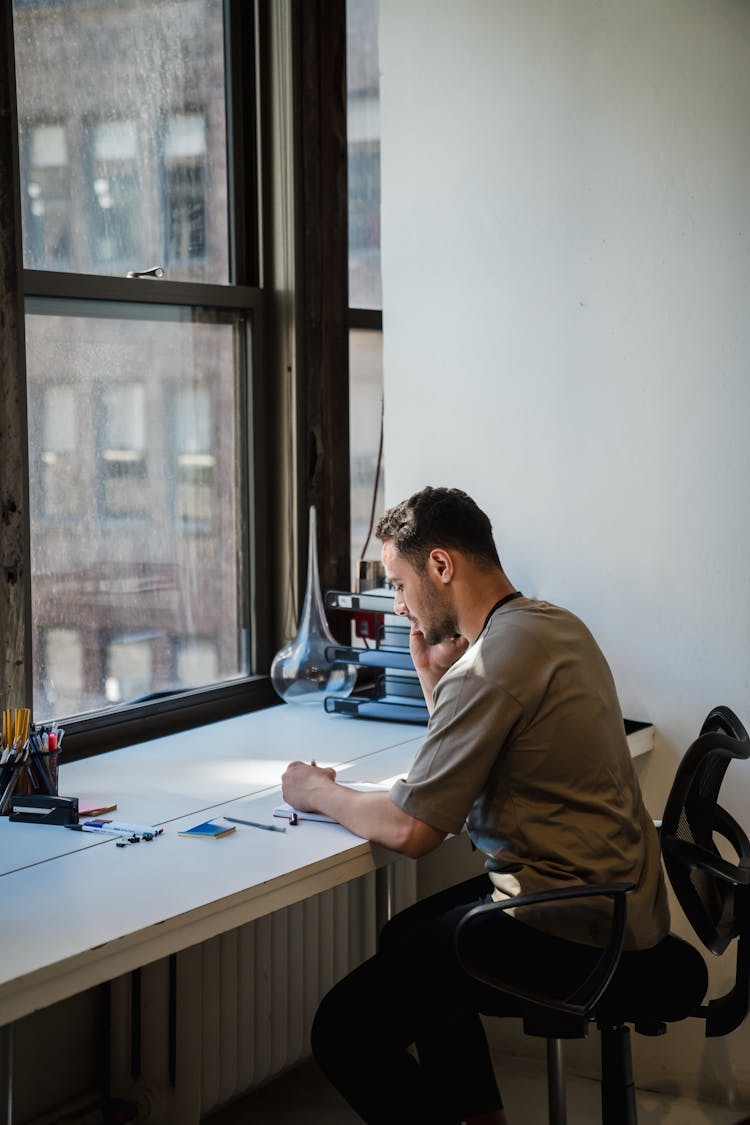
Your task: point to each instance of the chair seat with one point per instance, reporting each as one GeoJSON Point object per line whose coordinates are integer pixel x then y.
{"type": "Point", "coordinates": [658, 985]}
{"type": "Point", "coordinates": [650, 986]}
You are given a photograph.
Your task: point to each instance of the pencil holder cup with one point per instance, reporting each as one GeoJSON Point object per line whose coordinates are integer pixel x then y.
{"type": "Point", "coordinates": [29, 759]}
{"type": "Point", "coordinates": [53, 762]}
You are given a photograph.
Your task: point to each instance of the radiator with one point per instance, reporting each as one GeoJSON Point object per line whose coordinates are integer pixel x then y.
{"type": "Point", "coordinates": [190, 1033]}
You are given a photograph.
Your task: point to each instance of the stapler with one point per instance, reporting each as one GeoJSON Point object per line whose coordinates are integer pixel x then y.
{"type": "Point", "coordinates": [40, 808]}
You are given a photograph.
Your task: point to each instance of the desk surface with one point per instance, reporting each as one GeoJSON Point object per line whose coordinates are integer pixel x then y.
{"type": "Point", "coordinates": [77, 910]}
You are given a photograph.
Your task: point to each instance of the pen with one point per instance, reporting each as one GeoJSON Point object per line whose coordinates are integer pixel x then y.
{"type": "Point", "coordinates": [105, 830]}
{"type": "Point", "coordinates": [121, 826]}
{"type": "Point", "coordinates": [255, 824]}
{"type": "Point", "coordinates": [93, 828]}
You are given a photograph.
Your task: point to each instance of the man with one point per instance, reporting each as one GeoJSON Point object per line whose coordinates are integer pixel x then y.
{"type": "Point", "coordinates": [525, 747]}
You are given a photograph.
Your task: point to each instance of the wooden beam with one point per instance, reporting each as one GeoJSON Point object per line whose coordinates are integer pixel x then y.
{"type": "Point", "coordinates": [15, 561]}
{"type": "Point", "coordinates": [322, 286]}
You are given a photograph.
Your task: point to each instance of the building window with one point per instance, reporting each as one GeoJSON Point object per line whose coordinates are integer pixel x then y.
{"type": "Point", "coordinates": [62, 670]}
{"type": "Point", "coordinates": [115, 202]}
{"type": "Point", "coordinates": [57, 471]}
{"type": "Point", "coordinates": [185, 188]}
{"type": "Point", "coordinates": [125, 488]}
{"type": "Point", "coordinates": [141, 389]}
{"type": "Point", "coordinates": [197, 661]}
{"type": "Point", "coordinates": [46, 202]}
{"type": "Point", "coordinates": [195, 455]}
{"type": "Point", "coordinates": [129, 667]}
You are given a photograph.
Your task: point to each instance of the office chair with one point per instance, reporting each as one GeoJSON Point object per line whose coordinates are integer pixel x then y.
{"type": "Point", "coordinates": [646, 988]}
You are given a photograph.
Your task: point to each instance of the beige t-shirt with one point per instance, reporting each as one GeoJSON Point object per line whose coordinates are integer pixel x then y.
{"type": "Point", "coordinates": [527, 746]}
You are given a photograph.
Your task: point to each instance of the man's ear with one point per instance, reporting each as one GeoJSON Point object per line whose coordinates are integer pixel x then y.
{"type": "Point", "coordinates": [441, 564]}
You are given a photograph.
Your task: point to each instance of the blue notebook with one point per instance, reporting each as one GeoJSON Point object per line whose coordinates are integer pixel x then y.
{"type": "Point", "coordinates": [208, 830]}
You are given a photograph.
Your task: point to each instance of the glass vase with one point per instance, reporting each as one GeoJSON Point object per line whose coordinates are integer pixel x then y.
{"type": "Point", "coordinates": [301, 672]}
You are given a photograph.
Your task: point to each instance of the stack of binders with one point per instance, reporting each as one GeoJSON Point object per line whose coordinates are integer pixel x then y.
{"type": "Point", "coordinates": [395, 693]}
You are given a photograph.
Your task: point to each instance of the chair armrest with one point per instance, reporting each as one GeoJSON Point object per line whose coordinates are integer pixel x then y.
{"type": "Point", "coordinates": [582, 1000]}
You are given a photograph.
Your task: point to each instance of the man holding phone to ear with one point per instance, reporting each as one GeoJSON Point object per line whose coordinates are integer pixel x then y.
{"type": "Point", "coordinates": [526, 748]}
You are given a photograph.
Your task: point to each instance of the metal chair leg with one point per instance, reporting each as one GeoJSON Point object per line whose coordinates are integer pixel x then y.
{"type": "Point", "coordinates": [618, 1088]}
{"type": "Point", "coordinates": [556, 1099]}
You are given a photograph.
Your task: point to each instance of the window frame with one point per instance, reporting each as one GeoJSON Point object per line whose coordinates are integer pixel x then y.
{"type": "Point", "coordinates": [290, 112]}
{"type": "Point", "coordinates": [173, 710]}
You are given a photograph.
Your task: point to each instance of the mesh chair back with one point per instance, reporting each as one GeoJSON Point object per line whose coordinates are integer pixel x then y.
{"type": "Point", "coordinates": [704, 882]}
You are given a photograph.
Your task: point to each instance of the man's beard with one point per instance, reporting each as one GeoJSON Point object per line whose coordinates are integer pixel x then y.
{"type": "Point", "coordinates": [439, 626]}
{"type": "Point", "coordinates": [444, 631]}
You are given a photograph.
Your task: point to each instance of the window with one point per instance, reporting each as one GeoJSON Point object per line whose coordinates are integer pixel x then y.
{"type": "Point", "coordinates": [123, 139]}
{"type": "Point", "coordinates": [47, 196]}
{"type": "Point", "coordinates": [365, 316]}
{"type": "Point", "coordinates": [194, 460]}
{"type": "Point", "coordinates": [141, 338]}
{"type": "Point", "coordinates": [63, 683]}
{"type": "Point", "coordinates": [114, 196]}
{"type": "Point", "coordinates": [185, 188]}
{"type": "Point", "coordinates": [57, 488]}
{"type": "Point", "coordinates": [122, 471]}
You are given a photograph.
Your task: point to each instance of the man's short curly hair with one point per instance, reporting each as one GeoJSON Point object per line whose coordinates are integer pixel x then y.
{"type": "Point", "coordinates": [439, 517]}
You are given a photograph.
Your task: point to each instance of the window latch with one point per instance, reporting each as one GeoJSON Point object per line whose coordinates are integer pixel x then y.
{"type": "Point", "coordinates": [155, 271]}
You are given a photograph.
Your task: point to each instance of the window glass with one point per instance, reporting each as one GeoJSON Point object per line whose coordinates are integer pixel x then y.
{"type": "Point", "coordinates": [185, 188]}
{"type": "Point", "coordinates": [363, 136]}
{"type": "Point", "coordinates": [194, 457]}
{"type": "Point", "coordinates": [57, 441]}
{"type": "Point", "coordinates": [46, 209]}
{"type": "Point", "coordinates": [139, 405]}
{"type": "Point", "coordinates": [62, 687]}
{"type": "Point", "coordinates": [365, 421]}
{"type": "Point", "coordinates": [123, 136]}
{"type": "Point", "coordinates": [115, 196]}
{"type": "Point", "coordinates": [197, 661]}
{"type": "Point", "coordinates": [122, 469]}
{"type": "Point", "coordinates": [365, 344]}
{"type": "Point", "coordinates": [130, 667]}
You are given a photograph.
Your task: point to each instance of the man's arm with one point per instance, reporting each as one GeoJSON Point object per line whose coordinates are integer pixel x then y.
{"type": "Point", "coordinates": [370, 815]}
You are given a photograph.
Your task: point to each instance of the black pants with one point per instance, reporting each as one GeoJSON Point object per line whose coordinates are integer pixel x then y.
{"type": "Point", "coordinates": [414, 993]}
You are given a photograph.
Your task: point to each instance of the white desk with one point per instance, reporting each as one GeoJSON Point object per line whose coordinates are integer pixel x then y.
{"type": "Point", "coordinates": [77, 911]}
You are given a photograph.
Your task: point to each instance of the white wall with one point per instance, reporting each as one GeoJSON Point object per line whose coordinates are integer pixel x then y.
{"type": "Point", "coordinates": [566, 284]}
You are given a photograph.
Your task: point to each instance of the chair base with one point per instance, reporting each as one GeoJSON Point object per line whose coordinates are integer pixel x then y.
{"type": "Point", "coordinates": [557, 1111]}
{"type": "Point", "coordinates": [618, 1089]}
{"type": "Point", "coordinates": [617, 1085]}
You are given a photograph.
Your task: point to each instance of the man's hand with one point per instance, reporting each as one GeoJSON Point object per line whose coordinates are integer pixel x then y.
{"type": "Point", "coordinates": [299, 781]}
{"type": "Point", "coordinates": [433, 661]}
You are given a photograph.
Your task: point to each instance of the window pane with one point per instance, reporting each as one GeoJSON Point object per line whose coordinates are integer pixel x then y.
{"type": "Point", "coordinates": [122, 467]}
{"type": "Point", "coordinates": [44, 156]}
{"type": "Point", "coordinates": [365, 420]}
{"type": "Point", "coordinates": [137, 501]}
{"type": "Point", "coordinates": [63, 669]}
{"type": "Point", "coordinates": [58, 461]}
{"type": "Point", "coordinates": [123, 136]}
{"type": "Point", "coordinates": [363, 133]}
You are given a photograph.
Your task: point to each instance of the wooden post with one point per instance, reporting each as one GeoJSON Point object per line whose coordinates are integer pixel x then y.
{"type": "Point", "coordinates": [323, 287]}
{"type": "Point", "coordinates": [15, 662]}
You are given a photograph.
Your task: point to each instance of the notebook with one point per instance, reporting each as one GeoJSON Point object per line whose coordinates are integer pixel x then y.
{"type": "Point", "coordinates": [208, 830]}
